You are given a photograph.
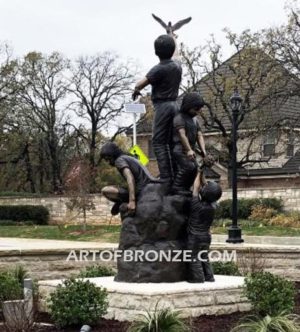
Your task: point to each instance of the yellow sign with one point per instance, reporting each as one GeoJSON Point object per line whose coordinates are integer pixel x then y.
{"type": "Point", "coordinates": [138, 153]}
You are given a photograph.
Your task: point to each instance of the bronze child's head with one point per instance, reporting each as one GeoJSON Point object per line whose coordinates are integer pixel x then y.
{"type": "Point", "coordinates": [164, 47]}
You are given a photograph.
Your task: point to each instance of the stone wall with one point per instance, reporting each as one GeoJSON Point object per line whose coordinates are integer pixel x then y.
{"type": "Point", "coordinates": [60, 214]}
{"type": "Point", "coordinates": [53, 264]}
{"type": "Point", "coordinates": [127, 300]}
{"type": "Point", "coordinates": [290, 197]}
{"type": "Point", "coordinates": [48, 264]}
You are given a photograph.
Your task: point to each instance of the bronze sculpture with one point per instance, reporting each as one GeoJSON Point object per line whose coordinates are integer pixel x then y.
{"type": "Point", "coordinates": [186, 134]}
{"type": "Point", "coordinates": [201, 216]}
{"type": "Point", "coordinates": [164, 79]}
{"type": "Point", "coordinates": [135, 174]}
{"type": "Point", "coordinates": [159, 216]}
{"type": "Point", "coordinates": [169, 27]}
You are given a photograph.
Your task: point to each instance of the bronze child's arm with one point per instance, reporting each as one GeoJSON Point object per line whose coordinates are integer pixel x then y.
{"type": "Point", "coordinates": [140, 86]}
{"type": "Point", "coordinates": [197, 185]}
{"type": "Point", "coordinates": [131, 188]}
{"type": "Point", "coordinates": [199, 182]}
{"type": "Point", "coordinates": [185, 143]}
{"type": "Point", "coordinates": [201, 143]}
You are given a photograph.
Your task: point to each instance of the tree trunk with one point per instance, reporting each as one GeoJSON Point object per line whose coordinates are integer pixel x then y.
{"type": "Point", "coordinates": [56, 179]}
{"type": "Point", "coordinates": [92, 158]}
{"type": "Point", "coordinates": [84, 220]}
{"type": "Point", "coordinates": [29, 169]}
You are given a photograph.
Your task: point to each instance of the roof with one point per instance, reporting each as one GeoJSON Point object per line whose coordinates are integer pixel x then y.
{"type": "Point", "coordinates": [263, 109]}
{"type": "Point", "coordinates": [279, 111]}
{"type": "Point", "coordinates": [292, 166]}
{"type": "Point", "coordinates": [264, 172]}
{"type": "Point", "coordinates": [284, 111]}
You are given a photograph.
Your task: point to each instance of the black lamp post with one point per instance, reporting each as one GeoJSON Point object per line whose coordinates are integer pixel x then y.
{"type": "Point", "coordinates": [234, 232]}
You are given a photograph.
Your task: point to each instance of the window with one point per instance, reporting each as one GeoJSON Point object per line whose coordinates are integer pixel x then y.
{"type": "Point", "coordinates": [151, 154]}
{"type": "Point", "coordinates": [269, 144]}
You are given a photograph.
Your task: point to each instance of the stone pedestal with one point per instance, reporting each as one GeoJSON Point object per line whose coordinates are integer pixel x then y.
{"type": "Point", "coordinates": [159, 225]}
{"type": "Point", "coordinates": [127, 300]}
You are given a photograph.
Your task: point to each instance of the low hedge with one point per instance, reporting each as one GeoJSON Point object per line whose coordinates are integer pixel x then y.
{"type": "Point", "coordinates": [245, 207]}
{"type": "Point", "coordinates": [37, 214]}
{"type": "Point", "coordinates": [226, 268]}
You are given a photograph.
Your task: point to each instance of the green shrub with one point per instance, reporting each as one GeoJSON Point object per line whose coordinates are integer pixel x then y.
{"type": "Point", "coordinates": [11, 283]}
{"type": "Point", "coordinates": [281, 323]}
{"type": "Point", "coordinates": [245, 206]}
{"type": "Point", "coordinates": [9, 223]}
{"type": "Point", "coordinates": [160, 320]}
{"type": "Point", "coordinates": [226, 268]}
{"type": "Point", "coordinates": [96, 271]}
{"type": "Point", "coordinates": [273, 203]}
{"type": "Point", "coordinates": [77, 302]}
{"type": "Point", "coordinates": [20, 273]}
{"type": "Point", "coordinates": [10, 287]}
{"type": "Point", "coordinates": [37, 213]}
{"type": "Point", "coordinates": [223, 210]}
{"type": "Point", "coordinates": [269, 294]}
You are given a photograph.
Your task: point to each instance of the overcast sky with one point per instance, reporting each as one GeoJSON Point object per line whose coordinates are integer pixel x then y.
{"type": "Point", "coordinates": [77, 27]}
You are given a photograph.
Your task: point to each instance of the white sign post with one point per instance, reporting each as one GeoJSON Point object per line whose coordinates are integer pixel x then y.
{"type": "Point", "coordinates": [135, 109]}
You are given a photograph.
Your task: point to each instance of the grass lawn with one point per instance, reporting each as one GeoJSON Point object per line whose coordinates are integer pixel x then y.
{"type": "Point", "coordinates": [111, 233]}
{"type": "Point", "coordinates": [262, 231]}
{"type": "Point", "coordinates": [103, 233]}
{"type": "Point", "coordinates": [255, 228]}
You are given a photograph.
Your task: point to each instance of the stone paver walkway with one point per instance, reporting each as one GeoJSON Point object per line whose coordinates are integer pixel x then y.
{"type": "Point", "coordinates": [7, 243]}
{"type": "Point", "coordinates": [21, 244]}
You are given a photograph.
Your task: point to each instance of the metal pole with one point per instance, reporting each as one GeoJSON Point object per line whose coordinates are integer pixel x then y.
{"type": "Point", "coordinates": [234, 232]}
{"type": "Point", "coordinates": [234, 170]}
{"type": "Point", "coordinates": [134, 128]}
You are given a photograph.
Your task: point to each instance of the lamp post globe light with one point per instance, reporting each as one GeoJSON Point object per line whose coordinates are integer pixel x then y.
{"type": "Point", "coordinates": [234, 231]}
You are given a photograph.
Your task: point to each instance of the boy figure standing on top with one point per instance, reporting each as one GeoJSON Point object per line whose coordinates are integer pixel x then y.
{"type": "Point", "coordinates": [165, 79]}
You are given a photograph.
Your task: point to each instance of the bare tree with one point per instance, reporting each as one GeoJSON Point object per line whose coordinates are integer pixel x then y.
{"type": "Point", "coordinates": [283, 43]}
{"type": "Point", "coordinates": [8, 72]}
{"type": "Point", "coordinates": [259, 78]}
{"type": "Point", "coordinates": [100, 85]}
{"type": "Point", "coordinates": [41, 95]}
{"type": "Point", "coordinates": [78, 186]}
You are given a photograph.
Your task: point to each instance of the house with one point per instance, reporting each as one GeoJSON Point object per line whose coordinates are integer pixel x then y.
{"type": "Point", "coordinates": [269, 130]}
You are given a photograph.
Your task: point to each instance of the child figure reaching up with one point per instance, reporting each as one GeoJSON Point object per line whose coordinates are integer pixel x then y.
{"type": "Point", "coordinates": [202, 212]}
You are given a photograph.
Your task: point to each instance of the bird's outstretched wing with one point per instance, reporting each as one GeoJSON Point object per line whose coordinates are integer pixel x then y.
{"type": "Point", "coordinates": [160, 21]}
{"type": "Point", "coordinates": [180, 23]}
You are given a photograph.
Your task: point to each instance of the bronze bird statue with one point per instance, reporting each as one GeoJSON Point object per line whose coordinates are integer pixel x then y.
{"type": "Point", "coordinates": [169, 27]}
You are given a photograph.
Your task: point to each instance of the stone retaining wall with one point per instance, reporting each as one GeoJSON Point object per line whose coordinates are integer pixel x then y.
{"type": "Point", "coordinates": [46, 264]}
{"type": "Point", "coordinates": [127, 301]}
{"type": "Point", "coordinates": [290, 197]}
{"type": "Point", "coordinates": [59, 213]}
{"type": "Point", "coordinates": [52, 264]}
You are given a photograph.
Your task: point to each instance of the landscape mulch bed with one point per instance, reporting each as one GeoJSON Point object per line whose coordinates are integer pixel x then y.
{"type": "Point", "coordinates": [222, 323]}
